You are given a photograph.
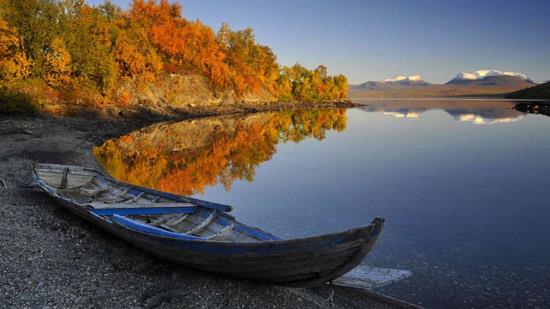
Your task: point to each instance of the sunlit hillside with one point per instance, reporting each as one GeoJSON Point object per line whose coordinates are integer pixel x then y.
{"type": "Point", "coordinates": [70, 52]}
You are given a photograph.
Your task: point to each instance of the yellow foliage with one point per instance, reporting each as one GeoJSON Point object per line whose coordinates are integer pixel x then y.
{"type": "Point", "coordinates": [58, 63]}
{"type": "Point", "coordinates": [14, 63]}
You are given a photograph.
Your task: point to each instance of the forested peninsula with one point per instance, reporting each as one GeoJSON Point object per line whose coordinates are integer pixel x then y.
{"type": "Point", "coordinates": [61, 56]}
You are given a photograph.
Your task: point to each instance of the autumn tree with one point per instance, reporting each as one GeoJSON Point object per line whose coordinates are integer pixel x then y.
{"type": "Point", "coordinates": [299, 83]}
{"type": "Point", "coordinates": [57, 63]}
{"type": "Point", "coordinates": [254, 66]}
{"type": "Point", "coordinates": [189, 45]}
{"type": "Point", "coordinates": [110, 11]}
{"type": "Point", "coordinates": [14, 63]}
{"type": "Point", "coordinates": [38, 23]}
{"type": "Point", "coordinates": [89, 39]}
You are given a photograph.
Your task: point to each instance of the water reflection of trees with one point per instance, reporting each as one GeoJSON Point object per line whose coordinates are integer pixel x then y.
{"type": "Point", "coordinates": [186, 157]}
{"type": "Point", "coordinates": [534, 108]}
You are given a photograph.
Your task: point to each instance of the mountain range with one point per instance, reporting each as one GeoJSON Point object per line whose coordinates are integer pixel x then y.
{"type": "Point", "coordinates": [478, 83]}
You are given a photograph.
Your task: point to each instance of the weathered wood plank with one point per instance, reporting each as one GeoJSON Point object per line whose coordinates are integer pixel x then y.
{"type": "Point", "coordinates": [203, 224]}
{"type": "Point", "coordinates": [367, 277]}
{"type": "Point", "coordinates": [64, 179]}
{"type": "Point", "coordinates": [281, 268]}
{"type": "Point", "coordinates": [223, 234]}
{"type": "Point", "coordinates": [100, 205]}
{"type": "Point", "coordinates": [143, 211]}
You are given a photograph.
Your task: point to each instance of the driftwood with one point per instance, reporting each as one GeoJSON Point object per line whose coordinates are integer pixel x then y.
{"type": "Point", "coordinates": [367, 277]}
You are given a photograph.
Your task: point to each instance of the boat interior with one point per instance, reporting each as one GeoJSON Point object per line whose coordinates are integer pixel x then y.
{"type": "Point", "coordinates": [148, 210]}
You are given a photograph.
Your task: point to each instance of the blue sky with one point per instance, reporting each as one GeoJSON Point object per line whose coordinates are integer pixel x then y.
{"type": "Point", "coordinates": [373, 40]}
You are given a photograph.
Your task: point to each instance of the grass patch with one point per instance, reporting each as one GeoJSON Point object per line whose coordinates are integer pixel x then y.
{"type": "Point", "coordinates": [12, 103]}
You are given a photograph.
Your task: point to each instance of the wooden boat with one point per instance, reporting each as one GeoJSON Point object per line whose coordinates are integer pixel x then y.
{"type": "Point", "coordinates": [203, 235]}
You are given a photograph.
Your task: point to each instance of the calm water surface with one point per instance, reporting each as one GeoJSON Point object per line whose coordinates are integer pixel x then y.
{"type": "Point", "coordinates": [464, 187]}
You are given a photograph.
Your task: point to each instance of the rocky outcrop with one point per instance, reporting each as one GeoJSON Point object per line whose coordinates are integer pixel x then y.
{"type": "Point", "coordinates": [183, 93]}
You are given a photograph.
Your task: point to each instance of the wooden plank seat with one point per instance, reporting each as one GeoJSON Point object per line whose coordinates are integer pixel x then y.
{"type": "Point", "coordinates": [109, 209]}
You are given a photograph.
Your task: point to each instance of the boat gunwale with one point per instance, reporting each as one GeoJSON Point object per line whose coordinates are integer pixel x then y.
{"type": "Point", "coordinates": [167, 195]}
{"type": "Point", "coordinates": [356, 230]}
{"type": "Point", "coordinates": [54, 191]}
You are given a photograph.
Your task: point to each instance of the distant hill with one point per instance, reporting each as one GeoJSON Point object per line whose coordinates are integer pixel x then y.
{"type": "Point", "coordinates": [541, 91]}
{"type": "Point", "coordinates": [395, 83]}
{"type": "Point", "coordinates": [478, 83]}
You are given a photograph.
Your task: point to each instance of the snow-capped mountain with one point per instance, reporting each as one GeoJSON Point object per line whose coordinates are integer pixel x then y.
{"type": "Point", "coordinates": [478, 83]}
{"type": "Point", "coordinates": [486, 74]}
{"type": "Point", "coordinates": [393, 83]}
{"type": "Point", "coordinates": [409, 79]}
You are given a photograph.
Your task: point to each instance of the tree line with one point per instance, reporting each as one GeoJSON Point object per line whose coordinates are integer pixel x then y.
{"type": "Point", "coordinates": [68, 45]}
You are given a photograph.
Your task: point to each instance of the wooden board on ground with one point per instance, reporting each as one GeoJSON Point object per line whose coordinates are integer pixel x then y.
{"type": "Point", "coordinates": [368, 277]}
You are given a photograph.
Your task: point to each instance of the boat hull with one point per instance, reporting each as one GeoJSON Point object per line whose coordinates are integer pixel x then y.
{"type": "Point", "coordinates": [301, 262]}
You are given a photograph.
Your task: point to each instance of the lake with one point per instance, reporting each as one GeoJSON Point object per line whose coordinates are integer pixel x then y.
{"type": "Point", "coordinates": [464, 186]}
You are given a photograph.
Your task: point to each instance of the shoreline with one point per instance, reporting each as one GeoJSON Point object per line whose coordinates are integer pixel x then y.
{"type": "Point", "coordinates": [159, 113]}
{"type": "Point", "coordinates": [52, 258]}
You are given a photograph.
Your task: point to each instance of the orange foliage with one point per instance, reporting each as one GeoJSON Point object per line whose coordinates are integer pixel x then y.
{"type": "Point", "coordinates": [190, 45]}
{"type": "Point", "coordinates": [100, 49]}
{"type": "Point", "coordinates": [125, 98]}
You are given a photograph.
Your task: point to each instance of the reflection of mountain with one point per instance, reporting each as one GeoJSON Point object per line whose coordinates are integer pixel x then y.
{"type": "Point", "coordinates": [185, 157]}
{"type": "Point", "coordinates": [474, 111]}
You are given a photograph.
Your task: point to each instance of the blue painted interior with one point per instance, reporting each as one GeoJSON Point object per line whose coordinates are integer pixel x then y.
{"type": "Point", "coordinates": [147, 229]}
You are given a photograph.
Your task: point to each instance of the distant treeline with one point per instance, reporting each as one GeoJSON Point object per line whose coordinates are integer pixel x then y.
{"type": "Point", "coordinates": [541, 91]}
{"type": "Point", "coordinates": [68, 45]}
